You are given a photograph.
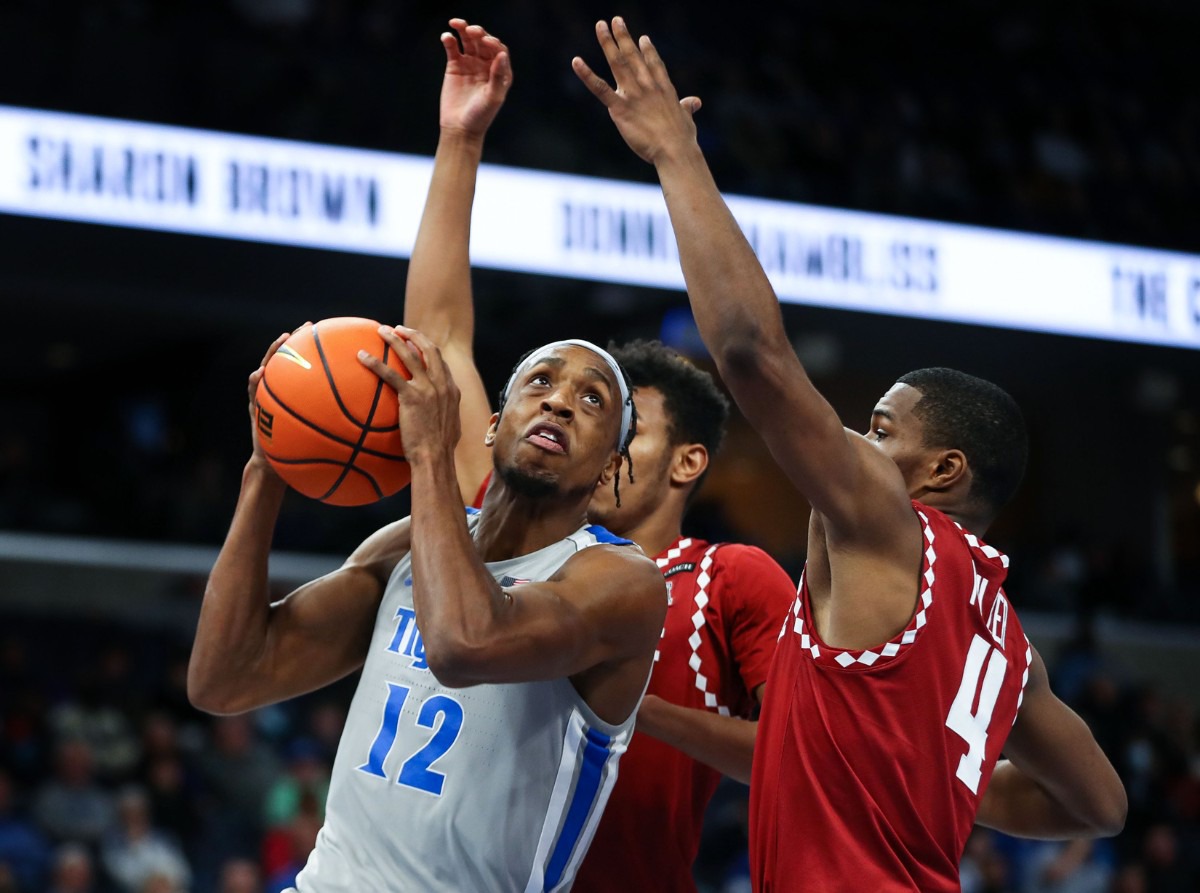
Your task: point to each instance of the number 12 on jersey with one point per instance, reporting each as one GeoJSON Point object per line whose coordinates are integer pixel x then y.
{"type": "Point", "coordinates": [972, 727]}
{"type": "Point", "coordinates": [417, 771]}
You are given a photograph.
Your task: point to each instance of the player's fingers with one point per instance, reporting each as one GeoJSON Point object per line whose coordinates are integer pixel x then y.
{"type": "Point", "coordinates": [609, 45]}
{"type": "Point", "coordinates": [472, 37]}
{"type": "Point", "coordinates": [450, 45]}
{"type": "Point", "coordinates": [654, 62]}
{"type": "Point", "coordinates": [275, 345]}
{"type": "Point", "coordinates": [418, 346]}
{"type": "Point", "coordinates": [624, 40]}
{"type": "Point", "coordinates": [596, 84]}
{"type": "Point", "coordinates": [500, 74]}
{"type": "Point", "coordinates": [691, 104]}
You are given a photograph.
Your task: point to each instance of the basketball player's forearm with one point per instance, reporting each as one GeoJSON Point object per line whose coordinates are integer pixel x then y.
{"type": "Point", "coordinates": [726, 743]}
{"type": "Point", "coordinates": [735, 307]}
{"type": "Point", "coordinates": [438, 291]}
{"type": "Point", "coordinates": [454, 596]}
{"type": "Point", "coordinates": [235, 613]}
{"type": "Point", "coordinates": [1016, 804]}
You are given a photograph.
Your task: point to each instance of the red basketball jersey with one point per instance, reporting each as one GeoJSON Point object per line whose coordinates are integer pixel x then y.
{"type": "Point", "coordinates": [870, 765]}
{"type": "Point", "coordinates": [725, 602]}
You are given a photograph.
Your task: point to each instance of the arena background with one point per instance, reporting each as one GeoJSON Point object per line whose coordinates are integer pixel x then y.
{"type": "Point", "coordinates": [124, 356]}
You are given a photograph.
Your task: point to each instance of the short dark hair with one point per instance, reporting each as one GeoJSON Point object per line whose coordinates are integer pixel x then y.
{"type": "Point", "coordinates": [960, 411]}
{"type": "Point", "coordinates": [697, 411]}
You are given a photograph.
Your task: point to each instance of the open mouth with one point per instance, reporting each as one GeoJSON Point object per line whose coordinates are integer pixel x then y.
{"type": "Point", "coordinates": [549, 437]}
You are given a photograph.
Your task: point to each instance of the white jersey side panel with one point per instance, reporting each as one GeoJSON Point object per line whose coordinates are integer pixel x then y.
{"type": "Point", "coordinates": [487, 788]}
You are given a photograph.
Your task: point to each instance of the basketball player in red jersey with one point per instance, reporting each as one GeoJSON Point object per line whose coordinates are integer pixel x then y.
{"type": "Point", "coordinates": [726, 600]}
{"type": "Point", "coordinates": [902, 671]}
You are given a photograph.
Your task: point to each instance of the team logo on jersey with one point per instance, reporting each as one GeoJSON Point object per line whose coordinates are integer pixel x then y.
{"type": "Point", "coordinates": [680, 568]}
{"type": "Point", "coordinates": [407, 639]}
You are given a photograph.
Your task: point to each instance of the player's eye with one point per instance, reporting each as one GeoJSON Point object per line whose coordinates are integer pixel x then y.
{"type": "Point", "coordinates": [594, 399]}
{"type": "Point", "coordinates": [879, 434]}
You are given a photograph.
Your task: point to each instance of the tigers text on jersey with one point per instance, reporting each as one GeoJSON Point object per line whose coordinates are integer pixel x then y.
{"type": "Point", "coordinates": [870, 764]}
{"type": "Point", "coordinates": [490, 787]}
{"type": "Point", "coordinates": [725, 605]}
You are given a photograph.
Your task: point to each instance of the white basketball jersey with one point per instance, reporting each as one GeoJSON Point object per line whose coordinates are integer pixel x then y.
{"type": "Point", "coordinates": [486, 789]}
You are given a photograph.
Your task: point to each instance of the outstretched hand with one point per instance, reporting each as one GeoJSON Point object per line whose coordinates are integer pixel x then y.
{"type": "Point", "coordinates": [477, 79]}
{"type": "Point", "coordinates": [645, 107]}
{"type": "Point", "coordinates": [428, 401]}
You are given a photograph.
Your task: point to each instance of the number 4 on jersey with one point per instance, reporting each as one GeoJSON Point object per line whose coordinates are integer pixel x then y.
{"type": "Point", "coordinates": [972, 727]}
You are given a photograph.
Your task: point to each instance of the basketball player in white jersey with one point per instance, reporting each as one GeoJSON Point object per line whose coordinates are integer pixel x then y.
{"type": "Point", "coordinates": [503, 653]}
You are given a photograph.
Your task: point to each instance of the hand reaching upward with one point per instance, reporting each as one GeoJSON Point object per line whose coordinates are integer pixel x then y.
{"type": "Point", "coordinates": [478, 75]}
{"type": "Point", "coordinates": [645, 107]}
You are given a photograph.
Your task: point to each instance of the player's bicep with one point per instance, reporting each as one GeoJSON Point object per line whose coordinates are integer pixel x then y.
{"type": "Point", "coordinates": [598, 608]}
{"type": "Point", "coordinates": [823, 459]}
{"type": "Point", "coordinates": [320, 632]}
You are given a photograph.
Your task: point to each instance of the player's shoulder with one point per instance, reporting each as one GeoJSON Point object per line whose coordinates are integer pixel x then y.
{"type": "Point", "coordinates": [746, 558]}
{"type": "Point", "coordinates": [382, 550]}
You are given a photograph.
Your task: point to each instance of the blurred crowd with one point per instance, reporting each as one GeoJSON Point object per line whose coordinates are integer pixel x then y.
{"type": "Point", "coordinates": [111, 783]}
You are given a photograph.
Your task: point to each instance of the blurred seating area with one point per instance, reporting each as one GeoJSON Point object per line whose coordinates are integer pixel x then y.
{"type": "Point", "coordinates": [112, 783]}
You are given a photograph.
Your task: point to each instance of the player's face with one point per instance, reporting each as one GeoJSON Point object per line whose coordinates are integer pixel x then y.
{"type": "Point", "coordinates": [558, 431]}
{"type": "Point", "coordinates": [652, 453]}
{"type": "Point", "coordinates": [896, 431]}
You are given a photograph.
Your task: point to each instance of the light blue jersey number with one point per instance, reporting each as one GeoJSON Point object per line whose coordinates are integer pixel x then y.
{"type": "Point", "coordinates": [417, 771]}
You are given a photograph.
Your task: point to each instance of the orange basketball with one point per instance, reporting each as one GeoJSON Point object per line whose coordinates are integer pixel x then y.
{"type": "Point", "coordinates": [326, 422]}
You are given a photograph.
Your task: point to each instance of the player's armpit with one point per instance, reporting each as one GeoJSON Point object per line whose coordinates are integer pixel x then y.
{"type": "Point", "coordinates": [1057, 782]}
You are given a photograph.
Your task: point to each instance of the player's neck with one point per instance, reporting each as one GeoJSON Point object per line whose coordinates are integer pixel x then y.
{"type": "Point", "coordinates": [511, 525]}
{"type": "Point", "coordinates": [658, 530]}
{"type": "Point", "coordinates": [966, 514]}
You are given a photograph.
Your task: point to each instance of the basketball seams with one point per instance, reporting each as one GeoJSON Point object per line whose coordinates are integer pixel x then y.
{"type": "Point", "coordinates": [338, 397]}
{"type": "Point", "coordinates": [379, 454]}
{"type": "Point", "coordinates": [363, 428]}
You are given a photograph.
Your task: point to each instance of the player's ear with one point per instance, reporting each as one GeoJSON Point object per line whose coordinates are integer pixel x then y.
{"type": "Point", "coordinates": [689, 462]}
{"type": "Point", "coordinates": [611, 468]}
{"type": "Point", "coordinates": [949, 468]}
{"type": "Point", "coordinates": [489, 438]}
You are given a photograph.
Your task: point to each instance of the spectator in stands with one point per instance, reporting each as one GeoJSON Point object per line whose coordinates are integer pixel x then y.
{"type": "Point", "coordinates": [135, 851]}
{"type": "Point", "coordinates": [70, 806]}
{"type": "Point", "coordinates": [240, 876]}
{"type": "Point", "coordinates": [73, 870]}
{"type": "Point", "coordinates": [23, 850]}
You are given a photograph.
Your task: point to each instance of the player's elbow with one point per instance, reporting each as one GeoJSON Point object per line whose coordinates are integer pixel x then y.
{"type": "Point", "coordinates": [1109, 814]}
{"type": "Point", "coordinates": [456, 662]}
{"type": "Point", "coordinates": [208, 694]}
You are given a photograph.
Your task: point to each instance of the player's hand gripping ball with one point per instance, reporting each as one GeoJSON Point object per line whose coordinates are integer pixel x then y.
{"type": "Point", "coordinates": [327, 424]}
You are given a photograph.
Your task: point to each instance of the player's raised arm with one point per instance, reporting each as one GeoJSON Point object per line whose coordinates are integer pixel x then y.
{"type": "Point", "coordinates": [1057, 782]}
{"type": "Point", "coordinates": [249, 652]}
{"type": "Point", "coordinates": [438, 298]}
{"type": "Point", "coordinates": [735, 306]}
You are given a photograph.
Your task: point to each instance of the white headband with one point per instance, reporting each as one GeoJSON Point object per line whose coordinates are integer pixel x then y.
{"type": "Point", "coordinates": [626, 398]}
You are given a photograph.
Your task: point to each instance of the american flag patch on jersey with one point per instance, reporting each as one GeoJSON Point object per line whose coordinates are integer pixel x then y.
{"type": "Point", "coordinates": [506, 580]}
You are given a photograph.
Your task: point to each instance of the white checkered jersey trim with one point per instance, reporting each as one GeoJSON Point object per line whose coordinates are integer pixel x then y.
{"type": "Point", "coordinates": [870, 657]}
{"type": "Point", "coordinates": [698, 622]}
{"type": "Point", "coordinates": [674, 552]}
{"type": "Point", "coordinates": [1024, 677]}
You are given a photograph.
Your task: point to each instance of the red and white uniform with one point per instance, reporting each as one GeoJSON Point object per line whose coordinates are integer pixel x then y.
{"type": "Point", "coordinates": [725, 604]}
{"type": "Point", "coordinates": [870, 765]}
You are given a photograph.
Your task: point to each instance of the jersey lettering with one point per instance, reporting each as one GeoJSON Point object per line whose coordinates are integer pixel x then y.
{"type": "Point", "coordinates": [407, 639]}
{"type": "Point", "coordinates": [998, 619]}
{"type": "Point", "coordinates": [416, 771]}
{"type": "Point", "coordinates": [972, 727]}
